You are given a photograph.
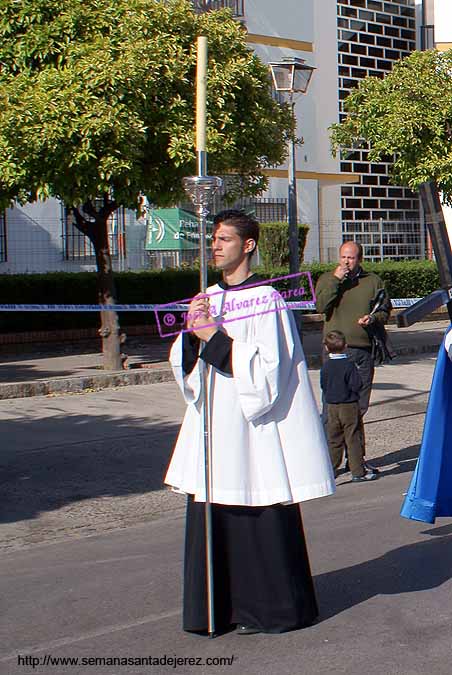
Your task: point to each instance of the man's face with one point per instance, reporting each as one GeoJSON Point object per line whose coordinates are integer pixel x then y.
{"type": "Point", "coordinates": [349, 257]}
{"type": "Point", "coordinates": [229, 251]}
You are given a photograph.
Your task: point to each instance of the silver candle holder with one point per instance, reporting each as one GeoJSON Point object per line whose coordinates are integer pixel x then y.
{"type": "Point", "coordinates": [201, 190]}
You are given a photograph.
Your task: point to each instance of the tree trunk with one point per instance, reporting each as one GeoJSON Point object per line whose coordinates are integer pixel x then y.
{"type": "Point", "coordinates": [97, 230]}
{"type": "Point", "coordinates": [109, 330]}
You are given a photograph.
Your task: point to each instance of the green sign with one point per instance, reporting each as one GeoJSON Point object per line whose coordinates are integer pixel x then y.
{"type": "Point", "coordinates": [173, 230]}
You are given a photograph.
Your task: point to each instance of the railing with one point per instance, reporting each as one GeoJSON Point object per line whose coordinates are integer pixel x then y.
{"type": "Point", "coordinates": [265, 209]}
{"type": "Point", "coordinates": [236, 6]}
{"type": "Point", "coordinates": [388, 240]}
{"type": "Point", "coordinates": [381, 239]}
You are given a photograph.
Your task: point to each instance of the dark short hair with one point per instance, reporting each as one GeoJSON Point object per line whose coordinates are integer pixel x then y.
{"type": "Point", "coordinates": [358, 246]}
{"type": "Point", "coordinates": [335, 341]}
{"type": "Point", "coordinates": [246, 226]}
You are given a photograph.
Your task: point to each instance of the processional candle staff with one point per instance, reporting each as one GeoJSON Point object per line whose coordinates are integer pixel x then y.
{"type": "Point", "coordinates": [201, 189]}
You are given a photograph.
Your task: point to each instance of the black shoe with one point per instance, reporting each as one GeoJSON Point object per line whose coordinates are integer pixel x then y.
{"type": "Point", "coordinates": [246, 630]}
{"type": "Point", "coordinates": [369, 475]}
{"type": "Point", "coordinates": [369, 467]}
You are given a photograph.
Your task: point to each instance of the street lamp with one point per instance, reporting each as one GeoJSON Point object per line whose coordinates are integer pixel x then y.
{"type": "Point", "coordinates": [292, 76]}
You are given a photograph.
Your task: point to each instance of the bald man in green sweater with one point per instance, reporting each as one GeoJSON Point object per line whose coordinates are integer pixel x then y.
{"type": "Point", "coordinates": [344, 296]}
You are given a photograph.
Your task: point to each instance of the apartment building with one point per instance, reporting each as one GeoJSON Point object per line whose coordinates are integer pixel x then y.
{"type": "Point", "coordinates": [347, 197]}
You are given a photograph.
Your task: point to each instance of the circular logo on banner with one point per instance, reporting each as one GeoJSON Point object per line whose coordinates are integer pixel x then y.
{"type": "Point", "coordinates": [157, 229]}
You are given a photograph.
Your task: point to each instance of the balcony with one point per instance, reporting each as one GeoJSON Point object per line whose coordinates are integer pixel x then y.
{"type": "Point", "coordinates": [236, 6]}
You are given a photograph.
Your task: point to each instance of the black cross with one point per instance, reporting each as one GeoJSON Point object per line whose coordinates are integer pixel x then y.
{"type": "Point", "coordinates": [436, 224]}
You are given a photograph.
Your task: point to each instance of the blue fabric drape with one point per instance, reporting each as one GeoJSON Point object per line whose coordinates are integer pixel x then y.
{"type": "Point", "coordinates": [430, 492]}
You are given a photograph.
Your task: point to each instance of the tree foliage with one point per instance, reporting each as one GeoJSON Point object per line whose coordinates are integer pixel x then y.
{"type": "Point", "coordinates": [406, 117]}
{"type": "Point", "coordinates": [97, 98]}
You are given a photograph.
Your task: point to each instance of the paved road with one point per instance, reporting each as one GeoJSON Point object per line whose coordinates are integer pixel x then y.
{"type": "Point", "coordinates": [92, 547]}
{"type": "Point", "coordinates": [78, 464]}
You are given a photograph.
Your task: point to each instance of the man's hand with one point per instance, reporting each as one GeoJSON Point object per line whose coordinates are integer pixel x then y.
{"type": "Point", "coordinates": [341, 272]}
{"type": "Point", "coordinates": [366, 320]}
{"type": "Point", "coordinates": [199, 315]}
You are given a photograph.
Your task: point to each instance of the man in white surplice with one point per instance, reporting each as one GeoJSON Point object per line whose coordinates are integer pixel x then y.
{"type": "Point", "coordinates": [268, 447]}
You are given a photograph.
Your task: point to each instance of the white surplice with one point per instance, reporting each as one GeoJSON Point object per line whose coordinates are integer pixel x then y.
{"type": "Point", "coordinates": [268, 442]}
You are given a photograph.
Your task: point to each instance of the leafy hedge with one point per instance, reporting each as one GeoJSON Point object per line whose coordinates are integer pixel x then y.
{"type": "Point", "coordinates": [407, 279]}
{"type": "Point", "coordinates": [80, 288]}
{"type": "Point", "coordinates": [403, 280]}
{"type": "Point", "coordinates": [273, 239]}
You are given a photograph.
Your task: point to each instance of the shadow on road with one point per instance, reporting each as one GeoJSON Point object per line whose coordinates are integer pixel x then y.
{"type": "Point", "coordinates": [110, 457]}
{"type": "Point", "coordinates": [438, 531]}
{"type": "Point", "coordinates": [389, 386]}
{"type": "Point", "coordinates": [402, 570]}
{"type": "Point", "coordinates": [405, 460]}
{"type": "Point", "coordinates": [23, 373]}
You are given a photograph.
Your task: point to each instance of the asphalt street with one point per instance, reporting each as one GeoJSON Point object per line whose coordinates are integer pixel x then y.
{"type": "Point", "coordinates": [92, 546]}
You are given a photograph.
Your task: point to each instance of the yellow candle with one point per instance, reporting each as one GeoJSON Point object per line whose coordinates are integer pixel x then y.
{"type": "Point", "coordinates": [201, 93]}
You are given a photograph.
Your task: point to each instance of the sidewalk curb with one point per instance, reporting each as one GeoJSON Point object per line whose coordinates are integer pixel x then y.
{"type": "Point", "coordinates": [125, 378]}
{"type": "Point", "coordinates": [78, 384]}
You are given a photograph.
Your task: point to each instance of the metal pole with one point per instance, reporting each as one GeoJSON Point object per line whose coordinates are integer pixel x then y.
{"type": "Point", "coordinates": [201, 189]}
{"type": "Point", "coordinates": [202, 220]}
{"type": "Point", "coordinates": [423, 35]}
{"type": "Point", "coordinates": [294, 262]}
{"type": "Point", "coordinates": [381, 240]}
{"type": "Point", "coordinates": [294, 254]}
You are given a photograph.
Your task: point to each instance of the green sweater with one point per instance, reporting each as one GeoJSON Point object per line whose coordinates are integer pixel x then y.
{"type": "Point", "coordinates": [344, 302]}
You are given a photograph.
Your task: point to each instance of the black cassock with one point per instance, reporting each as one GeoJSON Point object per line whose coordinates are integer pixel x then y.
{"type": "Point", "coordinates": [262, 576]}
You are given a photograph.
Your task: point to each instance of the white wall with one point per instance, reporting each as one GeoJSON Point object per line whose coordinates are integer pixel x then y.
{"type": "Point", "coordinates": [318, 108]}
{"type": "Point", "coordinates": [312, 21]}
{"type": "Point", "coordinates": [287, 18]}
{"type": "Point", "coordinates": [443, 21]}
{"type": "Point", "coordinates": [34, 239]}
{"type": "Point", "coordinates": [35, 242]}
{"type": "Point", "coordinates": [324, 90]}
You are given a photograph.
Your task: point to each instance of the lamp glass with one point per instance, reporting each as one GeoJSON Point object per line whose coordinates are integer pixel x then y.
{"type": "Point", "coordinates": [291, 75]}
{"type": "Point", "coordinates": [302, 77]}
{"type": "Point", "coordinates": [282, 76]}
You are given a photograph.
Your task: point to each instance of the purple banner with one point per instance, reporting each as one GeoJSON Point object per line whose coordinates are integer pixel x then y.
{"type": "Point", "coordinates": [171, 321]}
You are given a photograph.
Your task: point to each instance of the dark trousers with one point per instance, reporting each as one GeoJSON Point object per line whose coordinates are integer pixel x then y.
{"type": "Point", "coordinates": [366, 367]}
{"type": "Point", "coordinates": [344, 429]}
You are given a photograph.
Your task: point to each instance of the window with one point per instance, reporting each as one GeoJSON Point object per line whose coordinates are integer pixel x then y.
{"type": "Point", "coordinates": [3, 249]}
{"type": "Point", "coordinates": [76, 246]}
{"type": "Point", "coordinates": [378, 35]}
{"type": "Point", "coordinates": [236, 6]}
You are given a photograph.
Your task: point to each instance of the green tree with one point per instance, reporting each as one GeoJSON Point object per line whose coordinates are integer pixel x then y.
{"type": "Point", "coordinates": [97, 102]}
{"type": "Point", "coordinates": [406, 117]}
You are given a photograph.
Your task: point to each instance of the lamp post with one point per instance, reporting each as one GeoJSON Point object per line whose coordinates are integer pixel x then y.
{"type": "Point", "coordinates": [292, 76]}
